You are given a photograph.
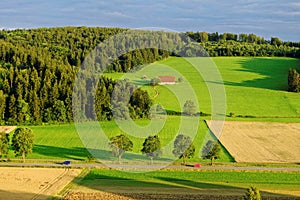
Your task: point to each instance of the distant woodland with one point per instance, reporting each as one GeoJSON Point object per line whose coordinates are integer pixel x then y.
{"type": "Point", "coordinates": [38, 69]}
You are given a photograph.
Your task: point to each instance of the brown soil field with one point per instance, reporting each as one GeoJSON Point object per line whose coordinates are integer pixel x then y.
{"type": "Point", "coordinates": [261, 142]}
{"type": "Point", "coordinates": [144, 196]}
{"type": "Point", "coordinates": [7, 129]}
{"type": "Point", "coordinates": [101, 195]}
{"type": "Point", "coordinates": [91, 191]}
{"type": "Point", "coordinates": [33, 183]}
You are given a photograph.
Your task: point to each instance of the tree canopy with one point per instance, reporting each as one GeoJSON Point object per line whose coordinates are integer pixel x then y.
{"type": "Point", "coordinates": [119, 145]}
{"type": "Point", "coordinates": [293, 81]}
{"type": "Point", "coordinates": [22, 142]}
{"type": "Point", "coordinates": [4, 144]}
{"type": "Point", "coordinates": [211, 151]}
{"type": "Point", "coordinates": [189, 108]}
{"type": "Point", "coordinates": [252, 193]}
{"type": "Point", "coordinates": [151, 147]}
{"type": "Point", "coordinates": [183, 147]}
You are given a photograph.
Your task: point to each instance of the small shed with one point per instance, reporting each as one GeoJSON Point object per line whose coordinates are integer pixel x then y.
{"type": "Point", "coordinates": [167, 80]}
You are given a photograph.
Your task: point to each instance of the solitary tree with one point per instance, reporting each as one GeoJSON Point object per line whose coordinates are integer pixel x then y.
{"type": "Point", "coordinates": [293, 81]}
{"type": "Point", "coordinates": [211, 151]}
{"type": "Point", "coordinates": [4, 144]}
{"type": "Point", "coordinates": [183, 147]}
{"type": "Point", "coordinates": [189, 107]}
{"type": "Point", "coordinates": [119, 145]}
{"type": "Point", "coordinates": [252, 194]}
{"type": "Point", "coordinates": [151, 147]}
{"type": "Point", "coordinates": [22, 142]}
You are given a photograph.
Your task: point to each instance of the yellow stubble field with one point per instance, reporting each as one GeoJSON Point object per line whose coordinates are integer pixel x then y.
{"type": "Point", "coordinates": [33, 183]}
{"type": "Point", "coordinates": [261, 142]}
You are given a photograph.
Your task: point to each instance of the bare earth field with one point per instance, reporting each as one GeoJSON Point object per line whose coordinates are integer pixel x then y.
{"type": "Point", "coordinates": [33, 183]}
{"type": "Point", "coordinates": [261, 142]}
{"type": "Point", "coordinates": [7, 129]}
{"type": "Point", "coordinates": [136, 193]}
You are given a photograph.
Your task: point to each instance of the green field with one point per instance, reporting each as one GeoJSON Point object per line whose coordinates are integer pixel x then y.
{"type": "Point", "coordinates": [203, 182]}
{"type": "Point", "coordinates": [255, 87]}
{"type": "Point", "coordinates": [59, 142]}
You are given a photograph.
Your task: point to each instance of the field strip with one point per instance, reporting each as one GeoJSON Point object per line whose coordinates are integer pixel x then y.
{"type": "Point", "coordinates": [263, 142]}
{"type": "Point", "coordinates": [57, 184]}
{"type": "Point", "coordinates": [7, 129]}
{"type": "Point", "coordinates": [71, 185]}
{"type": "Point", "coordinates": [33, 183]}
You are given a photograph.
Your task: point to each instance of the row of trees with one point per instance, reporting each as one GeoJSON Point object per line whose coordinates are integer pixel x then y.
{"type": "Point", "coordinates": [234, 48]}
{"type": "Point", "coordinates": [183, 147]}
{"type": "Point", "coordinates": [243, 38]}
{"type": "Point", "coordinates": [230, 44]}
{"type": "Point", "coordinates": [22, 143]}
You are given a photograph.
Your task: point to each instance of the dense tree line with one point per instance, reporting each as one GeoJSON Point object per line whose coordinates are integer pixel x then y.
{"type": "Point", "coordinates": [249, 38]}
{"type": "Point", "coordinates": [120, 100]}
{"type": "Point", "coordinates": [38, 68]}
{"type": "Point", "coordinates": [230, 44]}
{"type": "Point", "coordinates": [129, 61]}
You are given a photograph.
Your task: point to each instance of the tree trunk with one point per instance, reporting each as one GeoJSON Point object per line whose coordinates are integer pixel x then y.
{"type": "Point", "coordinates": [119, 159]}
{"type": "Point", "coordinates": [23, 156]}
{"type": "Point", "coordinates": [212, 161]}
{"type": "Point", "coordinates": [184, 161]}
{"type": "Point", "coordinates": [151, 160]}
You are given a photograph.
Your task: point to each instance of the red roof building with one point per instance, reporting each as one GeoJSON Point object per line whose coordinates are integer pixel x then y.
{"type": "Point", "coordinates": [167, 80]}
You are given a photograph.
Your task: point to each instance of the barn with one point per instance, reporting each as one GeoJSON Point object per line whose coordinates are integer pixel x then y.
{"type": "Point", "coordinates": [167, 80]}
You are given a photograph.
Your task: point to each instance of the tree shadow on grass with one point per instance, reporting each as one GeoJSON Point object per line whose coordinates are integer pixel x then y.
{"type": "Point", "coordinates": [81, 153]}
{"type": "Point", "coordinates": [273, 72]}
{"type": "Point", "coordinates": [194, 185]}
{"type": "Point", "coordinates": [161, 187]}
{"type": "Point", "coordinates": [75, 153]}
{"type": "Point", "coordinates": [140, 82]}
{"type": "Point", "coordinates": [222, 187]}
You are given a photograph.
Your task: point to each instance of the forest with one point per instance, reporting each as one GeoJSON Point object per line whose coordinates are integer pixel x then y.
{"type": "Point", "coordinates": [38, 69]}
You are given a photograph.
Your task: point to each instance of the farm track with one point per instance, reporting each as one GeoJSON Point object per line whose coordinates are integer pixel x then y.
{"type": "Point", "coordinates": [45, 190]}
{"type": "Point", "coordinates": [156, 92]}
{"type": "Point", "coordinates": [153, 167]}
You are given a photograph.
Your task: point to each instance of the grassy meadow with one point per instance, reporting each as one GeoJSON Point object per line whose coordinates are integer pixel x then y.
{"type": "Point", "coordinates": [192, 182]}
{"type": "Point", "coordinates": [255, 87]}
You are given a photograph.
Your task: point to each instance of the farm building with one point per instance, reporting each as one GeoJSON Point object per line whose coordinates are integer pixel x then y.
{"type": "Point", "coordinates": [167, 80]}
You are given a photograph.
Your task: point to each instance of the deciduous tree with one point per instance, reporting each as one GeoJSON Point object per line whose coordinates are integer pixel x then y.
{"type": "Point", "coordinates": [293, 81]}
{"type": "Point", "coordinates": [22, 142]}
{"type": "Point", "coordinates": [151, 147]}
{"type": "Point", "coordinates": [189, 108]}
{"type": "Point", "coordinates": [119, 145]}
{"type": "Point", "coordinates": [211, 151]}
{"type": "Point", "coordinates": [183, 147]}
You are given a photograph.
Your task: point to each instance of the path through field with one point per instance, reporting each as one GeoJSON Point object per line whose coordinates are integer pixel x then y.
{"type": "Point", "coordinates": [33, 183]}
{"type": "Point", "coordinates": [262, 141]}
